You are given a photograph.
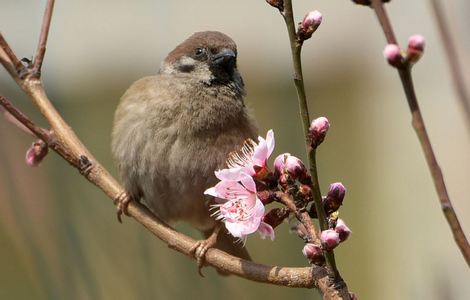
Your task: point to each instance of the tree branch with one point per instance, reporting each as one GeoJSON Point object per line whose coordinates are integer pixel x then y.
{"type": "Point", "coordinates": [41, 49]}
{"type": "Point", "coordinates": [296, 47]}
{"type": "Point", "coordinates": [64, 141]}
{"type": "Point", "coordinates": [419, 126]}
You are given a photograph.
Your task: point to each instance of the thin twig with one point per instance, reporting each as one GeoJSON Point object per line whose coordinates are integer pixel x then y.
{"type": "Point", "coordinates": [41, 49]}
{"type": "Point", "coordinates": [455, 65]}
{"type": "Point", "coordinates": [302, 216]}
{"type": "Point", "coordinates": [418, 125]}
{"type": "Point", "coordinates": [296, 48]}
{"type": "Point", "coordinates": [8, 59]}
{"type": "Point", "coordinates": [22, 119]}
{"type": "Point", "coordinates": [14, 121]}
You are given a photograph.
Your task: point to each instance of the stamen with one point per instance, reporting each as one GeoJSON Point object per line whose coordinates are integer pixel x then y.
{"type": "Point", "coordinates": [243, 157]}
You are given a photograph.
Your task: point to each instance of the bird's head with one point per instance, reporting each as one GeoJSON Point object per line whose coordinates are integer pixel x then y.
{"type": "Point", "coordinates": [209, 56]}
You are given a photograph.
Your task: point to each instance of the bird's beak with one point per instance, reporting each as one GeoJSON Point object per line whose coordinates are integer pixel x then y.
{"type": "Point", "coordinates": [224, 57]}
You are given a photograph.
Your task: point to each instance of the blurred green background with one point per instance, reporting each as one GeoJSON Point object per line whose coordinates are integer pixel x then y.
{"type": "Point", "coordinates": [59, 238]}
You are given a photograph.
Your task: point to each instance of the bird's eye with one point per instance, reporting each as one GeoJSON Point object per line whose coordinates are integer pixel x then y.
{"type": "Point", "coordinates": [199, 53]}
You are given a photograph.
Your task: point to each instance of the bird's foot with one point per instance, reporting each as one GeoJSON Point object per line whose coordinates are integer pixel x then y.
{"type": "Point", "coordinates": [199, 249]}
{"type": "Point", "coordinates": [122, 202]}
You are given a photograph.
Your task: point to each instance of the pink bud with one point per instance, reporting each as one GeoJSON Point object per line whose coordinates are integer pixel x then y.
{"type": "Point", "coordinates": [352, 296]}
{"type": "Point", "coordinates": [309, 25]}
{"type": "Point", "coordinates": [290, 164]}
{"type": "Point", "coordinates": [415, 49]}
{"type": "Point", "coordinates": [318, 129]}
{"type": "Point", "coordinates": [343, 231]}
{"type": "Point", "coordinates": [313, 18]}
{"type": "Point", "coordinates": [335, 197]}
{"type": "Point", "coordinates": [416, 42]}
{"type": "Point", "coordinates": [329, 239]}
{"type": "Point", "coordinates": [314, 253]}
{"type": "Point", "coordinates": [36, 153]}
{"type": "Point", "coordinates": [393, 55]}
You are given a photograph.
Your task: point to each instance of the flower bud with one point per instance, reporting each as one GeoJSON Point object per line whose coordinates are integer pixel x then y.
{"type": "Point", "coordinates": [329, 239]}
{"type": "Point", "coordinates": [343, 231]}
{"type": "Point", "coordinates": [276, 216]}
{"type": "Point", "coordinates": [335, 197]}
{"type": "Point", "coordinates": [36, 153]}
{"type": "Point", "coordinates": [305, 191]}
{"type": "Point", "coordinates": [314, 253]}
{"type": "Point", "coordinates": [279, 4]}
{"type": "Point", "coordinates": [318, 129]}
{"type": "Point", "coordinates": [415, 49]}
{"type": "Point", "coordinates": [309, 25]}
{"type": "Point", "coordinates": [393, 55]}
{"type": "Point", "coordinates": [286, 163]}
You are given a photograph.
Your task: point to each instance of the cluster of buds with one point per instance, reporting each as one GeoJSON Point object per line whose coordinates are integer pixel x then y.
{"type": "Point", "coordinates": [249, 183]}
{"type": "Point", "coordinates": [309, 25]}
{"type": "Point", "coordinates": [36, 153]}
{"type": "Point", "coordinates": [413, 53]}
{"type": "Point", "coordinates": [330, 238]}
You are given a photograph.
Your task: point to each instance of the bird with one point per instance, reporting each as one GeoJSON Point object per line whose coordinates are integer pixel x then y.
{"type": "Point", "coordinates": [172, 130]}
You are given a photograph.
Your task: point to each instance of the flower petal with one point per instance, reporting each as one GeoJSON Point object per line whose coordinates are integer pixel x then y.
{"type": "Point", "coordinates": [248, 182]}
{"type": "Point", "coordinates": [266, 230]}
{"type": "Point", "coordinates": [234, 174]}
{"type": "Point", "coordinates": [211, 192]}
{"type": "Point", "coordinates": [231, 190]}
{"type": "Point", "coordinates": [270, 141]}
{"type": "Point", "coordinates": [260, 154]}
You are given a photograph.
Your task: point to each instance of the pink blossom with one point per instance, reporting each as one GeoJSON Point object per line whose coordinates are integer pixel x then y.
{"type": "Point", "coordinates": [252, 158]}
{"type": "Point", "coordinates": [239, 208]}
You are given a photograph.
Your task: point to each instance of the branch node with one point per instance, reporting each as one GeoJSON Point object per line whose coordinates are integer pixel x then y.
{"type": "Point", "coordinates": [84, 165]}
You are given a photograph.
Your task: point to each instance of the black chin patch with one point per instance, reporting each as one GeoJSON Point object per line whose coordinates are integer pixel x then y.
{"type": "Point", "coordinates": [222, 74]}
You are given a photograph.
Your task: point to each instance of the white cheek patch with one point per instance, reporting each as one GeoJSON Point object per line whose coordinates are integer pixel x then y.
{"type": "Point", "coordinates": [188, 65]}
{"type": "Point", "coordinates": [186, 60]}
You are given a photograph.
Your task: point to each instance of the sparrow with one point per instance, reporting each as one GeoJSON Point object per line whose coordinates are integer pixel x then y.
{"type": "Point", "coordinates": [172, 130]}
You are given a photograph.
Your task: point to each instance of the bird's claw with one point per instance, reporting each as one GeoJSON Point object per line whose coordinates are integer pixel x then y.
{"type": "Point", "coordinates": [200, 248]}
{"type": "Point", "coordinates": [122, 202]}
